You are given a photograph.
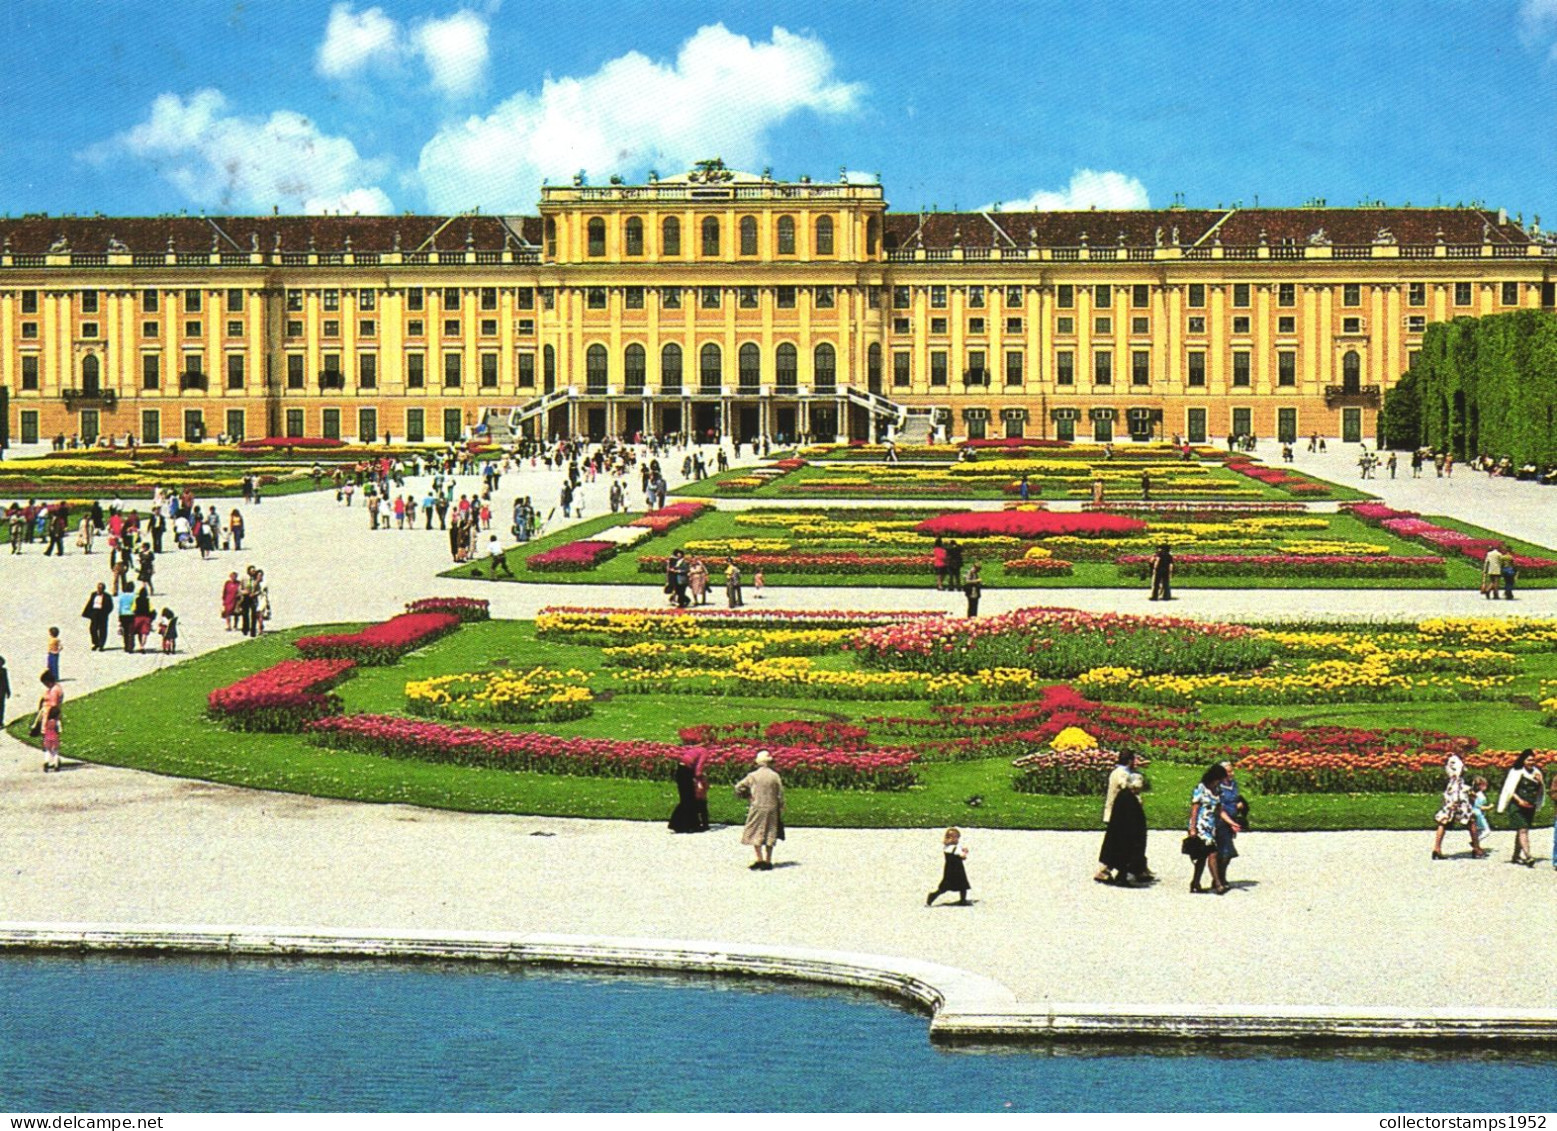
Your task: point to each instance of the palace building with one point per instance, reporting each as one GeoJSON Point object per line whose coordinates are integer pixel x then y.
{"type": "Point", "coordinates": [724, 303]}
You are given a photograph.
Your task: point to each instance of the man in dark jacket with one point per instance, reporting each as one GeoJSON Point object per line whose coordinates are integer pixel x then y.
{"type": "Point", "coordinates": [99, 608]}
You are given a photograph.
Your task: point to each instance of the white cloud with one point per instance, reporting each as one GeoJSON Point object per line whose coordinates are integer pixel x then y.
{"type": "Point", "coordinates": [353, 40]}
{"type": "Point", "coordinates": [222, 160]}
{"type": "Point", "coordinates": [719, 97]}
{"type": "Point", "coordinates": [1538, 23]}
{"type": "Point", "coordinates": [455, 51]}
{"type": "Point", "coordinates": [1088, 188]}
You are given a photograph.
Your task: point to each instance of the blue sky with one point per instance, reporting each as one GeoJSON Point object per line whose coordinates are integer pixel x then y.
{"type": "Point", "coordinates": [128, 107]}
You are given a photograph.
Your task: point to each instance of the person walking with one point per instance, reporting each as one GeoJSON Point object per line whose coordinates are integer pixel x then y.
{"type": "Point", "coordinates": [954, 565]}
{"type": "Point", "coordinates": [1491, 573]}
{"type": "Point", "coordinates": [1521, 799]}
{"type": "Point", "coordinates": [1205, 808]}
{"type": "Point", "coordinates": [1509, 572]}
{"type": "Point", "coordinates": [1122, 857]}
{"type": "Point", "coordinates": [235, 529]}
{"type": "Point", "coordinates": [5, 689]}
{"type": "Point", "coordinates": [954, 872]}
{"type": "Point", "coordinates": [125, 607]}
{"type": "Point", "coordinates": [498, 557]}
{"type": "Point", "coordinates": [697, 580]}
{"type": "Point", "coordinates": [732, 584]}
{"type": "Point", "coordinates": [1162, 574]}
{"type": "Point", "coordinates": [1232, 814]}
{"type": "Point", "coordinates": [1456, 808]}
{"type": "Point", "coordinates": [47, 722]}
{"type": "Point", "coordinates": [99, 607]}
{"type": "Point", "coordinates": [973, 589]}
{"type": "Point", "coordinates": [688, 816]}
{"type": "Point", "coordinates": [52, 649]}
{"type": "Point", "coordinates": [938, 561]}
{"type": "Point", "coordinates": [763, 789]}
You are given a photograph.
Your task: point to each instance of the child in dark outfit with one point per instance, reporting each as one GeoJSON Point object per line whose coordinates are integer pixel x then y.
{"type": "Point", "coordinates": [954, 874]}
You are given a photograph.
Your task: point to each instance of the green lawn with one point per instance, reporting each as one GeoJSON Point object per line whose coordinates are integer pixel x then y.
{"type": "Point", "coordinates": [108, 727]}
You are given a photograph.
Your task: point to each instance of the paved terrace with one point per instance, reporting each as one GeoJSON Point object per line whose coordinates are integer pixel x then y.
{"type": "Point", "coordinates": [1353, 919]}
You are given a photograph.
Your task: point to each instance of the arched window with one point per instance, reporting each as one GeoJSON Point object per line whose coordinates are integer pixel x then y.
{"type": "Point", "coordinates": [786, 365]}
{"type": "Point", "coordinates": [748, 235]}
{"type": "Point", "coordinates": [551, 238]}
{"type": "Point", "coordinates": [670, 236]}
{"type": "Point", "coordinates": [710, 235]}
{"type": "Point", "coordinates": [596, 238]}
{"type": "Point", "coordinates": [872, 235]}
{"type": "Point", "coordinates": [91, 374]}
{"type": "Point", "coordinates": [825, 362]}
{"type": "Point", "coordinates": [670, 368]}
{"type": "Point", "coordinates": [596, 368]}
{"type": "Point", "coordinates": [1351, 371]}
{"type": "Point", "coordinates": [873, 367]}
{"type": "Point", "coordinates": [786, 235]}
{"type": "Point", "coordinates": [751, 366]}
{"type": "Point", "coordinates": [824, 235]}
{"type": "Point", "coordinates": [710, 367]}
{"type": "Point", "coordinates": [634, 234]}
{"type": "Point", "coordinates": [634, 365]}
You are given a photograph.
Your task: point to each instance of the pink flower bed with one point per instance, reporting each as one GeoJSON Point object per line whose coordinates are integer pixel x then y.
{"type": "Point", "coordinates": [392, 736]}
{"type": "Point", "coordinates": [289, 442]}
{"type": "Point", "coordinates": [1415, 528]}
{"type": "Point", "coordinates": [670, 516]}
{"type": "Point", "coordinates": [381, 643]}
{"type": "Point", "coordinates": [468, 609]}
{"type": "Point", "coordinates": [1275, 477]}
{"type": "Point", "coordinates": [581, 555]}
{"type": "Point", "coordinates": [1029, 524]}
{"type": "Point", "coordinates": [283, 697]}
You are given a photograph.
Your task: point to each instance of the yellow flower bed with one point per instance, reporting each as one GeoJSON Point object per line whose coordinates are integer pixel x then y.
{"type": "Point", "coordinates": [796, 675]}
{"type": "Point", "coordinates": [1320, 547]}
{"type": "Point", "coordinates": [1486, 630]}
{"type": "Point", "coordinates": [615, 625]}
{"type": "Point", "coordinates": [1549, 704]}
{"type": "Point", "coordinates": [539, 694]}
{"type": "Point", "coordinates": [726, 546]}
{"type": "Point", "coordinates": [654, 654]}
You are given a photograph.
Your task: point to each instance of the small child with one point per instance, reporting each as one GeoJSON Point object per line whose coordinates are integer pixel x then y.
{"type": "Point", "coordinates": [1480, 805]}
{"type": "Point", "coordinates": [757, 583]}
{"type": "Point", "coordinates": [954, 874]}
{"type": "Point", "coordinates": [169, 630]}
{"type": "Point", "coordinates": [55, 646]}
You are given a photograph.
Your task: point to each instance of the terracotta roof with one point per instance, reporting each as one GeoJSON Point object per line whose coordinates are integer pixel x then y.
{"type": "Point", "coordinates": [151, 235]}
{"type": "Point", "coordinates": [1358, 226]}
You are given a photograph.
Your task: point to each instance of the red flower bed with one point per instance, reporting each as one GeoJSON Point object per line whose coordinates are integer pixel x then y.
{"type": "Point", "coordinates": [841, 562]}
{"type": "Point", "coordinates": [1396, 771]}
{"type": "Point", "coordinates": [1275, 477]}
{"type": "Point", "coordinates": [793, 463]}
{"type": "Point", "coordinates": [283, 697]}
{"type": "Point", "coordinates": [600, 757]}
{"type": "Point", "coordinates": [381, 643]}
{"type": "Point", "coordinates": [581, 555]}
{"type": "Point", "coordinates": [797, 732]}
{"type": "Point", "coordinates": [670, 516]}
{"type": "Point", "coordinates": [1029, 524]}
{"type": "Point", "coordinates": [269, 442]}
{"type": "Point", "coordinates": [1412, 526]}
{"type": "Point", "coordinates": [1288, 565]}
{"type": "Point", "coordinates": [468, 609]}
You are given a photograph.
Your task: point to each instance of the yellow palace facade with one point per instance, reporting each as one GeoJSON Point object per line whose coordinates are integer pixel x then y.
{"type": "Point", "coordinates": [721, 303]}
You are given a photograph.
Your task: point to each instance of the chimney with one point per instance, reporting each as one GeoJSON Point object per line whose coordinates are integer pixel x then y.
{"type": "Point", "coordinates": [1502, 217]}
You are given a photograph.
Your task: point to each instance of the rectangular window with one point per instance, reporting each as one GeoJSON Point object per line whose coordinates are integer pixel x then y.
{"type": "Point", "coordinates": [1286, 325]}
{"type": "Point", "coordinates": [150, 329]}
{"type": "Point", "coordinates": [902, 326]}
{"type": "Point", "coordinates": [1015, 360]}
{"type": "Point", "coordinates": [194, 426]}
{"type": "Point", "coordinates": [595, 298]}
{"type": "Point", "coordinates": [526, 298]}
{"type": "Point", "coordinates": [937, 325]}
{"type": "Point", "coordinates": [1416, 323]}
{"type": "Point", "coordinates": [1416, 294]}
{"type": "Point", "coordinates": [937, 367]}
{"type": "Point", "coordinates": [29, 371]}
{"type": "Point", "coordinates": [976, 373]}
{"type": "Point", "coordinates": [367, 328]}
{"type": "Point", "coordinates": [294, 329]}
{"type": "Point", "coordinates": [415, 370]}
{"type": "Point", "coordinates": [527, 327]}
{"type": "Point", "coordinates": [938, 297]}
{"type": "Point", "coordinates": [1242, 422]}
{"type": "Point", "coordinates": [824, 298]}
{"type": "Point", "coordinates": [451, 298]}
{"type": "Point", "coordinates": [670, 298]}
{"type": "Point", "coordinates": [1140, 325]}
{"type": "Point", "coordinates": [1140, 296]}
{"type": "Point", "coordinates": [748, 298]}
{"type": "Point", "coordinates": [234, 300]}
{"type": "Point", "coordinates": [785, 298]}
{"type": "Point", "coordinates": [1351, 325]}
{"type": "Point", "coordinates": [632, 298]}
{"type": "Point", "coordinates": [452, 425]}
{"type": "Point", "coordinates": [194, 364]}
{"type": "Point", "coordinates": [1462, 294]}
{"type": "Point", "coordinates": [294, 301]}
{"type": "Point", "coordinates": [1064, 368]}
{"type": "Point", "coordinates": [332, 378]}
{"type": "Point", "coordinates": [975, 296]}
{"type": "Point", "coordinates": [1197, 295]}
{"type": "Point", "coordinates": [192, 329]}
{"type": "Point", "coordinates": [235, 329]}
{"type": "Point", "coordinates": [1241, 369]}
{"type": "Point", "coordinates": [29, 426]}
{"type": "Point", "coordinates": [88, 302]}
{"type": "Point", "coordinates": [367, 425]}
{"type": "Point", "coordinates": [332, 328]}
{"type": "Point", "coordinates": [488, 327]}
{"type": "Point", "coordinates": [709, 298]}
{"type": "Point", "coordinates": [1065, 296]}
{"type": "Point", "coordinates": [414, 298]}
{"type": "Point", "coordinates": [900, 369]}
{"type": "Point", "coordinates": [489, 371]}
{"type": "Point", "coordinates": [89, 329]}
{"type": "Point", "coordinates": [295, 376]}
{"type": "Point", "coordinates": [235, 371]}
{"type": "Point", "coordinates": [151, 426]}
{"type": "Point", "coordinates": [451, 327]}
{"type": "Point", "coordinates": [1102, 368]}
{"type": "Point", "coordinates": [367, 300]}
{"type": "Point", "coordinates": [151, 370]}
{"type": "Point", "coordinates": [1351, 294]}
{"type": "Point", "coordinates": [1241, 324]}
{"type": "Point", "coordinates": [526, 369]}
{"type": "Point", "coordinates": [1064, 325]}
{"type": "Point", "coordinates": [415, 425]}
{"type": "Point", "coordinates": [549, 298]}
{"type": "Point", "coordinates": [191, 302]}
{"type": "Point", "coordinates": [1102, 325]}
{"type": "Point", "coordinates": [30, 301]}
{"type": "Point", "coordinates": [1510, 294]}
{"type": "Point", "coordinates": [29, 329]}
{"type": "Point", "coordinates": [1197, 368]}
{"type": "Point", "coordinates": [1013, 325]}
{"type": "Point", "coordinates": [1014, 296]}
{"type": "Point", "coordinates": [451, 370]}
{"type": "Point", "coordinates": [1140, 367]}
{"type": "Point", "coordinates": [1286, 294]}
{"type": "Point", "coordinates": [902, 298]}
{"type": "Point", "coordinates": [1241, 294]}
{"type": "Point", "coordinates": [1103, 295]}
{"type": "Point", "coordinates": [294, 422]}
{"type": "Point", "coordinates": [1197, 324]}
{"type": "Point", "coordinates": [236, 421]}
{"type": "Point", "coordinates": [367, 370]}
{"type": "Point", "coordinates": [873, 297]}
{"type": "Point", "coordinates": [331, 300]}
{"type": "Point", "coordinates": [330, 423]}
{"type": "Point", "coordinates": [488, 298]}
{"type": "Point", "coordinates": [1286, 368]}
{"type": "Point", "coordinates": [975, 325]}
{"type": "Point", "coordinates": [150, 301]}
{"type": "Point", "coordinates": [416, 328]}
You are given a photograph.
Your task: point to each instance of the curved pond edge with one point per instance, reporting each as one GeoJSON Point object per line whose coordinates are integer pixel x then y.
{"type": "Point", "coordinates": [965, 1008]}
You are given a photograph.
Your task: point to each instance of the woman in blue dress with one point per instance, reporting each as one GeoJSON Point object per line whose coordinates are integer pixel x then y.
{"type": "Point", "coordinates": [1205, 805]}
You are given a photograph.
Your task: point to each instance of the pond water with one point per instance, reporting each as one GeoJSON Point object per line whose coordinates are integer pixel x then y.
{"type": "Point", "coordinates": [161, 1034]}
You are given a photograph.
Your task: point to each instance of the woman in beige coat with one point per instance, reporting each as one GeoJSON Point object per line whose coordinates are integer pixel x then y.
{"type": "Point", "coordinates": [764, 791]}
